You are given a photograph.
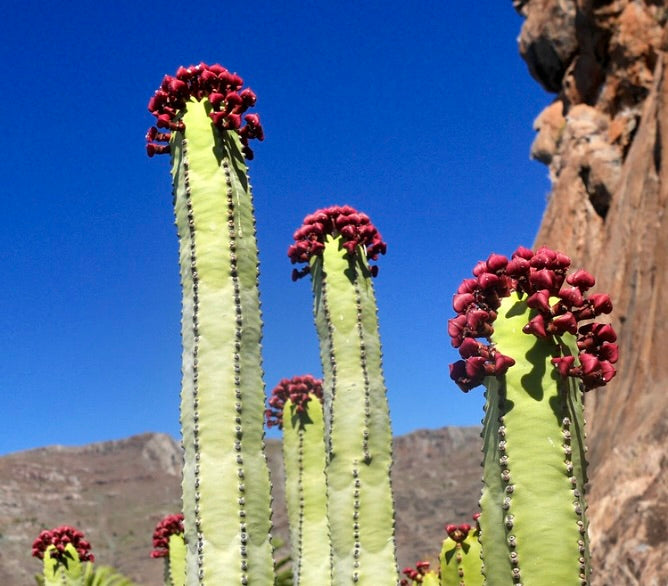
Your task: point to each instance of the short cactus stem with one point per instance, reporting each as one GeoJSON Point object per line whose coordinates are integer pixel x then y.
{"type": "Point", "coordinates": [295, 406]}
{"type": "Point", "coordinates": [63, 551]}
{"type": "Point", "coordinates": [226, 487]}
{"type": "Point", "coordinates": [542, 351]}
{"type": "Point", "coordinates": [336, 243]}
{"type": "Point", "coordinates": [460, 556]}
{"type": "Point", "coordinates": [169, 543]}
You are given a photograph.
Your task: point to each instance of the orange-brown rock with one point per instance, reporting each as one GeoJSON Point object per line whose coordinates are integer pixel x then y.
{"type": "Point", "coordinates": [607, 209]}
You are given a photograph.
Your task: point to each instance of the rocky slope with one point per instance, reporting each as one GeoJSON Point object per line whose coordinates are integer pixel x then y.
{"type": "Point", "coordinates": [116, 491]}
{"type": "Point", "coordinates": [604, 138]}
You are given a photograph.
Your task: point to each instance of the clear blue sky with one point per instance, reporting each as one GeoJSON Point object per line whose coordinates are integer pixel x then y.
{"type": "Point", "coordinates": [418, 113]}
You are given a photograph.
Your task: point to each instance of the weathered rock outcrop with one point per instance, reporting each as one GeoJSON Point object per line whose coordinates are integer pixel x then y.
{"type": "Point", "coordinates": [605, 140]}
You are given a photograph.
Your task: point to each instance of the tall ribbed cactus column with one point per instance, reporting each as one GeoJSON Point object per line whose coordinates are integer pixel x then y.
{"type": "Point", "coordinates": [543, 351]}
{"type": "Point", "coordinates": [295, 406]}
{"type": "Point", "coordinates": [336, 243]}
{"type": "Point", "coordinates": [226, 488]}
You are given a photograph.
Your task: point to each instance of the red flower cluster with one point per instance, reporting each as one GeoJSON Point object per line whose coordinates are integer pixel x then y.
{"type": "Point", "coordinates": [542, 277]}
{"type": "Point", "coordinates": [59, 538]}
{"type": "Point", "coordinates": [223, 90]}
{"type": "Point", "coordinates": [298, 389]}
{"type": "Point", "coordinates": [416, 575]}
{"type": "Point", "coordinates": [458, 533]}
{"type": "Point", "coordinates": [170, 525]}
{"type": "Point", "coordinates": [355, 228]}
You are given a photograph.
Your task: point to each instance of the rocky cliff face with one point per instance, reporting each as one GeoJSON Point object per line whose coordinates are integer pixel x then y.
{"type": "Point", "coordinates": [605, 141]}
{"type": "Point", "coordinates": [116, 492]}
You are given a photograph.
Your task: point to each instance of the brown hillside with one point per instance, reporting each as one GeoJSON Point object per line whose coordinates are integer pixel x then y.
{"type": "Point", "coordinates": [116, 491]}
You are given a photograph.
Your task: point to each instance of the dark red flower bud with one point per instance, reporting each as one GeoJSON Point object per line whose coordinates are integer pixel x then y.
{"type": "Point", "coordinates": [565, 323]}
{"type": "Point", "coordinates": [216, 99]}
{"type": "Point", "coordinates": [461, 301]}
{"type": "Point", "coordinates": [469, 347]}
{"type": "Point", "coordinates": [502, 363]}
{"type": "Point", "coordinates": [590, 364]}
{"type": "Point", "coordinates": [468, 286]}
{"type": "Point", "coordinates": [232, 121]}
{"type": "Point", "coordinates": [157, 149]}
{"type": "Point", "coordinates": [518, 267]}
{"type": "Point", "coordinates": [480, 268]}
{"type": "Point", "coordinates": [496, 263]}
{"type": "Point", "coordinates": [488, 281]}
{"type": "Point", "coordinates": [540, 301]}
{"type": "Point", "coordinates": [542, 279]}
{"type": "Point", "coordinates": [248, 97]}
{"type": "Point", "coordinates": [609, 352]}
{"type": "Point", "coordinates": [572, 297]}
{"type": "Point", "coordinates": [523, 252]}
{"type": "Point", "coordinates": [581, 279]}
{"type": "Point", "coordinates": [607, 371]}
{"type": "Point", "coordinates": [601, 303]}
{"type": "Point", "coordinates": [564, 364]}
{"type": "Point", "coordinates": [536, 326]}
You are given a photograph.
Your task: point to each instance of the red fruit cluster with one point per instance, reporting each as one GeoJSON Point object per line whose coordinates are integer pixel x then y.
{"type": "Point", "coordinates": [60, 537]}
{"type": "Point", "coordinates": [299, 390]}
{"type": "Point", "coordinates": [354, 227]}
{"type": "Point", "coordinates": [416, 575]}
{"type": "Point", "coordinates": [542, 277]}
{"type": "Point", "coordinates": [170, 525]}
{"type": "Point", "coordinates": [223, 90]}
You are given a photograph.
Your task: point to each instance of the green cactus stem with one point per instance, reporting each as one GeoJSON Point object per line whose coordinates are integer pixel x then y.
{"type": "Point", "coordinates": [336, 243]}
{"type": "Point", "coordinates": [169, 543]}
{"type": "Point", "coordinates": [539, 359]}
{"type": "Point", "coordinates": [226, 487]}
{"type": "Point", "coordinates": [63, 551]}
{"type": "Point", "coordinates": [460, 556]}
{"type": "Point", "coordinates": [295, 406]}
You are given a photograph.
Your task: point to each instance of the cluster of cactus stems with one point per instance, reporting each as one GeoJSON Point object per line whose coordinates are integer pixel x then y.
{"type": "Point", "coordinates": [524, 328]}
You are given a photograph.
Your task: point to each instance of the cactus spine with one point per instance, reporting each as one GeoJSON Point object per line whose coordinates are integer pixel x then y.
{"type": "Point", "coordinates": [359, 440]}
{"type": "Point", "coordinates": [533, 524]}
{"type": "Point", "coordinates": [296, 407]}
{"type": "Point", "coordinates": [226, 487]}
